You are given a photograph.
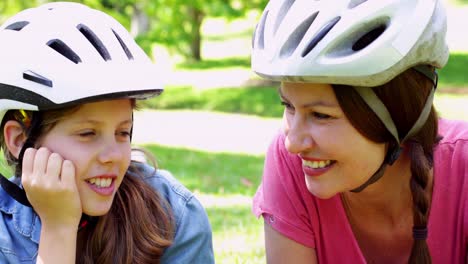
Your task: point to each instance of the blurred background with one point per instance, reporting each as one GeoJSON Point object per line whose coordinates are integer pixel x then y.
{"type": "Point", "coordinates": [213, 123]}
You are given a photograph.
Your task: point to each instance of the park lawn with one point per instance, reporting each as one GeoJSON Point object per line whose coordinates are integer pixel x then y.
{"type": "Point", "coordinates": [225, 184]}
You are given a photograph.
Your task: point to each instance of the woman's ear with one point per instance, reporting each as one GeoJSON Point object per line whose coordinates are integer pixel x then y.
{"type": "Point", "coordinates": [14, 137]}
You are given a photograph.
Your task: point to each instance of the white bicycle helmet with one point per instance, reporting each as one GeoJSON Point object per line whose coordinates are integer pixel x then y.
{"type": "Point", "coordinates": [360, 43]}
{"type": "Point", "coordinates": [351, 42]}
{"type": "Point", "coordinates": [62, 54]}
{"type": "Point", "coordinates": [67, 53]}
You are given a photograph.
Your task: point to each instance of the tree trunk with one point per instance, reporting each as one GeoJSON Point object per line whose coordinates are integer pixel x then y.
{"type": "Point", "coordinates": [140, 22]}
{"type": "Point", "coordinates": [196, 16]}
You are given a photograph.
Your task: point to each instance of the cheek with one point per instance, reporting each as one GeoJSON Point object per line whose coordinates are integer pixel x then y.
{"type": "Point", "coordinates": [367, 156]}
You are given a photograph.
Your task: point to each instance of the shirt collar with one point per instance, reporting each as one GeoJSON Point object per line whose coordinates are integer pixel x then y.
{"type": "Point", "coordinates": [25, 221]}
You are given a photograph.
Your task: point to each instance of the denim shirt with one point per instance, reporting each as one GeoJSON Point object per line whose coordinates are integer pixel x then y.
{"type": "Point", "coordinates": [20, 226]}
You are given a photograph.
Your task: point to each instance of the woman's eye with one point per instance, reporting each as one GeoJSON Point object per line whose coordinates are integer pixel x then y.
{"type": "Point", "coordinates": [287, 105]}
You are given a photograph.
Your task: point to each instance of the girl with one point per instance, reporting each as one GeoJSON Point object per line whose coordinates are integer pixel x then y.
{"type": "Point", "coordinates": [70, 79]}
{"type": "Point", "coordinates": [364, 171]}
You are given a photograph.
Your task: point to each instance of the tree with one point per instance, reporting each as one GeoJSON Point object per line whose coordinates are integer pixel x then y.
{"type": "Point", "coordinates": [11, 7]}
{"type": "Point", "coordinates": [177, 23]}
{"type": "Point", "coordinates": [174, 23]}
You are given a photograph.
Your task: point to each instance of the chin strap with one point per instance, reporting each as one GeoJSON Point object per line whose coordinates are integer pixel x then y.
{"type": "Point", "coordinates": [14, 191]}
{"type": "Point", "coordinates": [371, 99]}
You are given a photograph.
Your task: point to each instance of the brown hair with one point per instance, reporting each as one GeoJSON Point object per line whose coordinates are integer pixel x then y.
{"type": "Point", "coordinates": [139, 224]}
{"type": "Point", "coordinates": [404, 98]}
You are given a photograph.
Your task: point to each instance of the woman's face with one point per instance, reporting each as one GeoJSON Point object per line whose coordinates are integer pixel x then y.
{"type": "Point", "coordinates": [96, 138]}
{"type": "Point", "coordinates": [335, 156]}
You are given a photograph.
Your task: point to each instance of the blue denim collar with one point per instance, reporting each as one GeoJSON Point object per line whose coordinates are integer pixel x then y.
{"type": "Point", "coordinates": [26, 221]}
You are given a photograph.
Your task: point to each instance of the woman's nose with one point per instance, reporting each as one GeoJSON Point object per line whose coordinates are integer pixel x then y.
{"type": "Point", "coordinates": [298, 137]}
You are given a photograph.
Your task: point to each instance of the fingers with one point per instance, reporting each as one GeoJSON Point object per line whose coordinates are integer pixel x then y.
{"type": "Point", "coordinates": [42, 165]}
{"type": "Point", "coordinates": [49, 182]}
{"type": "Point", "coordinates": [40, 161]}
{"type": "Point", "coordinates": [54, 166]}
{"type": "Point", "coordinates": [68, 173]}
{"type": "Point", "coordinates": [28, 164]}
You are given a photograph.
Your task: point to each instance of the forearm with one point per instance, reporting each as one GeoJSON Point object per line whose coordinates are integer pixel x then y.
{"type": "Point", "coordinates": [57, 245]}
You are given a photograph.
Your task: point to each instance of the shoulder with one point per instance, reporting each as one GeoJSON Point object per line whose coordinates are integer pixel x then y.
{"type": "Point", "coordinates": [453, 131]}
{"type": "Point", "coordinates": [182, 201]}
{"type": "Point", "coordinates": [452, 149]}
{"type": "Point", "coordinates": [166, 185]}
{"type": "Point", "coordinates": [19, 231]}
{"type": "Point", "coordinates": [193, 237]}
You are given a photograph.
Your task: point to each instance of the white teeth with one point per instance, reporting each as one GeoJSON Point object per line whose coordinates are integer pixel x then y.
{"type": "Point", "coordinates": [101, 182]}
{"type": "Point", "coordinates": [317, 164]}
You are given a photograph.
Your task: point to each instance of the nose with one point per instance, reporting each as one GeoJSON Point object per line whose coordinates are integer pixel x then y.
{"type": "Point", "coordinates": [298, 137]}
{"type": "Point", "coordinates": [111, 152]}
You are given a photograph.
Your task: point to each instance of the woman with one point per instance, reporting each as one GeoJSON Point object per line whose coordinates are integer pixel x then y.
{"type": "Point", "coordinates": [70, 79]}
{"type": "Point", "coordinates": [364, 170]}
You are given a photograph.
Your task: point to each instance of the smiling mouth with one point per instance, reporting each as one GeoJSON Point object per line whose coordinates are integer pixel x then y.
{"type": "Point", "coordinates": [100, 182]}
{"type": "Point", "coordinates": [318, 164]}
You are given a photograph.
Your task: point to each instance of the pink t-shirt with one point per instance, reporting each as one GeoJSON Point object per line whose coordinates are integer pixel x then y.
{"type": "Point", "coordinates": [285, 202]}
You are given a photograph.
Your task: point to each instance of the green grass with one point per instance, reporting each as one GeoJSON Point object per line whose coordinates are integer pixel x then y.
{"type": "Point", "coordinates": [237, 235]}
{"type": "Point", "coordinates": [454, 73]}
{"type": "Point", "coordinates": [228, 181]}
{"type": "Point", "coordinates": [211, 173]}
{"type": "Point", "coordinates": [207, 64]}
{"type": "Point", "coordinates": [261, 101]}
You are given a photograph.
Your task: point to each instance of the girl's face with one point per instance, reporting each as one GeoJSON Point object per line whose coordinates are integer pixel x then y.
{"type": "Point", "coordinates": [96, 138]}
{"type": "Point", "coordinates": [335, 156]}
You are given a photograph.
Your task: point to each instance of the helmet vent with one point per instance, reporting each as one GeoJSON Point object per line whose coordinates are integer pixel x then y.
{"type": "Point", "coordinates": [296, 37]}
{"type": "Point", "coordinates": [17, 25]}
{"type": "Point", "coordinates": [63, 49]}
{"type": "Point", "coordinates": [95, 41]}
{"type": "Point", "coordinates": [353, 3]}
{"type": "Point", "coordinates": [320, 35]}
{"type": "Point", "coordinates": [124, 47]}
{"type": "Point", "coordinates": [368, 38]}
{"type": "Point", "coordinates": [282, 13]}
{"type": "Point", "coordinates": [261, 31]}
{"type": "Point", "coordinates": [34, 77]}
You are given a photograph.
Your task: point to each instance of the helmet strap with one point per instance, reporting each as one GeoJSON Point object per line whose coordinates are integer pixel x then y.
{"type": "Point", "coordinates": [393, 152]}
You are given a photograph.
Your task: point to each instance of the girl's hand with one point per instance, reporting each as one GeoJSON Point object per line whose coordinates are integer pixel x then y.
{"type": "Point", "coordinates": [49, 182]}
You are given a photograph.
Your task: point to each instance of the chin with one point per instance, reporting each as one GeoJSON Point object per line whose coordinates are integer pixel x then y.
{"type": "Point", "coordinates": [320, 191]}
{"type": "Point", "coordinates": [96, 210]}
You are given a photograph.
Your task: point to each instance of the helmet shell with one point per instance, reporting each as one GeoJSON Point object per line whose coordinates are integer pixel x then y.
{"type": "Point", "coordinates": [351, 42]}
{"type": "Point", "coordinates": [62, 53]}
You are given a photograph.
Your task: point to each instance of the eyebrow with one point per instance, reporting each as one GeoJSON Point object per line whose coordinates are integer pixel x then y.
{"type": "Point", "coordinates": [91, 121]}
{"type": "Point", "coordinates": [315, 103]}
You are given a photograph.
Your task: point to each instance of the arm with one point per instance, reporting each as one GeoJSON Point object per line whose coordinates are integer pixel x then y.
{"type": "Point", "coordinates": [57, 245]}
{"type": "Point", "coordinates": [50, 186]}
{"type": "Point", "coordinates": [280, 249]}
{"type": "Point", "coordinates": [193, 238]}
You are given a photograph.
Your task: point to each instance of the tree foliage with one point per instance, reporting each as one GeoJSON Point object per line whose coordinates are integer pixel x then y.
{"type": "Point", "coordinates": [177, 23]}
{"type": "Point", "coordinates": [174, 23]}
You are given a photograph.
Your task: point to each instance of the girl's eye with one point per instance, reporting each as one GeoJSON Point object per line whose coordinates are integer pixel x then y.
{"type": "Point", "coordinates": [87, 134]}
{"type": "Point", "coordinates": [320, 115]}
{"type": "Point", "coordinates": [124, 133]}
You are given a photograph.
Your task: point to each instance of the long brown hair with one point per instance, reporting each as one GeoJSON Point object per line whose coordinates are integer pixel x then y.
{"type": "Point", "coordinates": [404, 98]}
{"type": "Point", "coordinates": [139, 224]}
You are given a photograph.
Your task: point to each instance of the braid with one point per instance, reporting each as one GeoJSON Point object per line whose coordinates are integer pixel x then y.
{"type": "Point", "coordinates": [420, 169]}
